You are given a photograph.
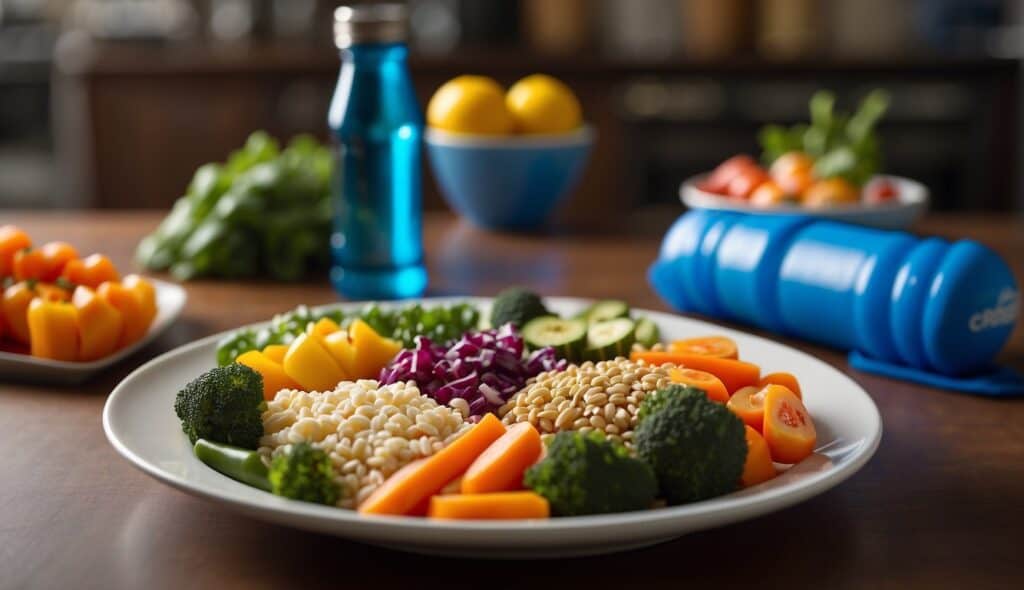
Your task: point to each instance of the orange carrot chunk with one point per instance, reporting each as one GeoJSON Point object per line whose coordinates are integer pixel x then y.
{"type": "Point", "coordinates": [404, 490]}
{"type": "Point", "coordinates": [717, 346]}
{"type": "Point", "coordinates": [733, 373]}
{"type": "Point", "coordinates": [711, 385]}
{"type": "Point", "coordinates": [758, 467]}
{"type": "Point", "coordinates": [500, 468]}
{"type": "Point", "coordinates": [784, 379]}
{"type": "Point", "coordinates": [788, 428]}
{"type": "Point", "coordinates": [497, 506]}
{"type": "Point", "coordinates": [748, 405]}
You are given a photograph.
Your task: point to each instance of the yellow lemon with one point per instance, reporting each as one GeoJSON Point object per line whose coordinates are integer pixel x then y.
{"type": "Point", "coordinates": [470, 104]}
{"type": "Point", "coordinates": [542, 104]}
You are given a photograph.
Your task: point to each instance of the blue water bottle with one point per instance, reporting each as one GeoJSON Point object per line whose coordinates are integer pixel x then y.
{"type": "Point", "coordinates": [920, 309]}
{"type": "Point", "coordinates": [377, 243]}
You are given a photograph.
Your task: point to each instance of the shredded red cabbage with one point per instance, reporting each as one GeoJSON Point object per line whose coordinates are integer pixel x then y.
{"type": "Point", "coordinates": [484, 368]}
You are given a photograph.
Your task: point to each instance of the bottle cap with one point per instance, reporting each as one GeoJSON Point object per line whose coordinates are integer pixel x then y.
{"type": "Point", "coordinates": [370, 23]}
{"type": "Point", "coordinates": [972, 308]}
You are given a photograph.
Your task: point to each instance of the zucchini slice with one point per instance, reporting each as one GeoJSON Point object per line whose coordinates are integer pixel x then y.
{"type": "Point", "coordinates": [607, 309]}
{"type": "Point", "coordinates": [567, 337]}
{"type": "Point", "coordinates": [610, 339]}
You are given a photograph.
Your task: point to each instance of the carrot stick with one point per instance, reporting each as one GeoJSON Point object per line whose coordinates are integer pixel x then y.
{"type": "Point", "coordinates": [501, 505]}
{"type": "Point", "coordinates": [734, 374]}
{"type": "Point", "coordinates": [404, 490]}
{"type": "Point", "coordinates": [711, 385]}
{"type": "Point", "coordinates": [500, 468]}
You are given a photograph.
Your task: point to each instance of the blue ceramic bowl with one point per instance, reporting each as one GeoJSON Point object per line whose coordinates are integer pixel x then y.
{"type": "Point", "coordinates": [507, 182]}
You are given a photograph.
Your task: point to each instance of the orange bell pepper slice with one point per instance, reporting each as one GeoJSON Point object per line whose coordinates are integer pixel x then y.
{"type": "Point", "coordinates": [15, 302]}
{"type": "Point", "coordinates": [99, 324]}
{"type": "Point", "coordinates": [91, 271]}
{"type": "Point", "coordinates": [127, 302]}
{"type": "Point", "coordinates": [12, 241]}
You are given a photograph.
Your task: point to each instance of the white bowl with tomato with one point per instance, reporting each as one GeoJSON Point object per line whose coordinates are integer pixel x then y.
{"type": "Point", "coordinates": [790, 187]}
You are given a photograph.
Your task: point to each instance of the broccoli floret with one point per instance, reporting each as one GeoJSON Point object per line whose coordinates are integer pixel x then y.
{"type": "Point", "coordinates": [304, 473]}
{"type": "Point", "coordinates": [517, 306]}
{"type": "Point", "coordinates": [697, 447]}
{"type": "Point", "coordinates": [224, 405]}
{"type": "Point", "coordinates": [587, 474]}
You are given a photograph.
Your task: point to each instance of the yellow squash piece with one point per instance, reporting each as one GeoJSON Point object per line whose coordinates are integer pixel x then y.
{"type": "Point", "coordinates": [275, 352]}
{"type": "Point", "coordinates": [373, 351]}
{"type": "Point", "coordinates": [323, 327]}
{"type": "Point", "coordinates": [311, 366]}
{"type": "Point", "coordinates": [53, 329]}
{"type": "Point", "coordinates": [99, 324]}
{"type": "Point", "coordinates": [342, 350]}
{"type": "Point", "coordinates": [274, 377]}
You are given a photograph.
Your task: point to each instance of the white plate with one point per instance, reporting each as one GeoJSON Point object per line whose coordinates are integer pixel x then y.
{"type": "Point", "coordinates": [140, 423]}
{"type": "Point", "coordinates": [911, 203]}
{"type": "Point", "coordinates": [170, 300]}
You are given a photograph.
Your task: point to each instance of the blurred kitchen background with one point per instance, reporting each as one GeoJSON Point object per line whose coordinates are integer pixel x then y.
{"type": "Point", "coordinates": [114, 103]}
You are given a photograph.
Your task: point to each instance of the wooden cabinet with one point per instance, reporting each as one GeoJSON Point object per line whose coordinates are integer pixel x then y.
{"type": "Point", "coordinates": [134, 121]}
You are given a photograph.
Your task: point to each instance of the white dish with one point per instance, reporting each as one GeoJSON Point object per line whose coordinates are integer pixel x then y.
{"type": "Point", "coordinates": [912, 202]}
{"type": "Point", "coordinates": [170, 300]}
{"type": "Point", "coordinates": [140, 423]}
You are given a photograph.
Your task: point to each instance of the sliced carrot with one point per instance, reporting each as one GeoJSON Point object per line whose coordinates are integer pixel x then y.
{"type": "Point", "coordinates": [733, 373]}
{"type": "Point", "coordinates": [274, 377]}
{"type": "Point", "coordinates": [420, 479]}
{"type": "Point", "coordinates": [275, 352]}
{"type": "Point", "coordinates": [711, 385]}
{"type": "Point", "coordinates": [788, 428]}
{"type": "Point", "coordinates": [758, 468]}
{"type": "Point", "coordinates": [497, 506]}
{"type": "Point", "coordinates": [500, 468]}
{"type": "Point", "coordinates": [784, 379]}
{"type": "Point", "coordinates": [748, 404]}
{"type": "Point", "coordinates": [716, 346]}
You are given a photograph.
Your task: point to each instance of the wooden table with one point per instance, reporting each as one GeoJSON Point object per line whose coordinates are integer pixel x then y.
{"type": "Point", "coordinates": [941, 505]}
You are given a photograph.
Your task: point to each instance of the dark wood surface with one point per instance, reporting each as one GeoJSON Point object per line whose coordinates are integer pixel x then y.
{"type": "Point", "coordinates": [941, 505]}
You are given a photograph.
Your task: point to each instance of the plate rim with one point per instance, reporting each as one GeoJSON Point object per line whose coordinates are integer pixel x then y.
{"type": "Point", "coordinates": [748, 506]}
{"type": "Point", "coordinates": [918, 198]}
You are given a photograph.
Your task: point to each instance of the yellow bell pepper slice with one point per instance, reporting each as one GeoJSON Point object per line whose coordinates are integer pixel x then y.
{"type": "Point", "coordinates": [53, 330]}
{"type": "Point", "coordinates": [311, 366]}
{"type": "Point", "coordinates": [99, 324]}
{"type": "Point", "coordinates": [322, 327]}
{"type": "Point", "coordinates": [275, 352]}
{"type": "Point", "coordinates": [274, 377]}
{"type": "Point", "coordinates": [342, 350]}
{"type": "Point", "coordinates": [373, 351]}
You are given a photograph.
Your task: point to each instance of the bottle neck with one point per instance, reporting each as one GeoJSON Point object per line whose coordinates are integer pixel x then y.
{"type": "Point", "coordinates": [372, 54]}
